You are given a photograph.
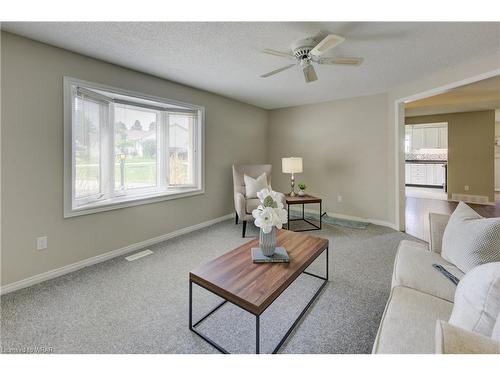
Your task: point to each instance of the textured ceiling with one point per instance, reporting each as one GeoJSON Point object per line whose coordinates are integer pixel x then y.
{"type": "Point", "coordinates": [477, 96]}
{"type": "Point", "coordinates": [225, 58]}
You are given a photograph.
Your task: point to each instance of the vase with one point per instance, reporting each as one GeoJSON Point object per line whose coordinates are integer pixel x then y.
{"type": "Point", "coordinates": [267, 242]}
{"type": "Point", "coordinates": [301, 193]}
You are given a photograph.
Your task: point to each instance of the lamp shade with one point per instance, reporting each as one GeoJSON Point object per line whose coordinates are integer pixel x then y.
{"type": "Point", "coordinates": [291, 165]}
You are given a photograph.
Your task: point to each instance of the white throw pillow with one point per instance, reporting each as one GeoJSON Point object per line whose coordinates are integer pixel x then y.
{"type": "Point", "coordinates": [470, 240]}
{"type": "Point", "coordinates": [253, 186]}
{"type": "Point", "coordinates": [477, 300]}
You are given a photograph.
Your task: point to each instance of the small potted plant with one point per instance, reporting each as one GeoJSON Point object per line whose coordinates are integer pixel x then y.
{"type": "Point", "coordinates": [268, 216]}
{"type": "Point", "coordinates": [302, 186]}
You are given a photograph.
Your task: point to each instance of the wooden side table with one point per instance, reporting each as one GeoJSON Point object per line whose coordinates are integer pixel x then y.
{"type": "Point", "coordinates": [306, 199]}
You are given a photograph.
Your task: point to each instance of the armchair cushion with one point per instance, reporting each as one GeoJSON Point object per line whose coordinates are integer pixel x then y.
{"type": "Point", "coordinates": [252, 204]}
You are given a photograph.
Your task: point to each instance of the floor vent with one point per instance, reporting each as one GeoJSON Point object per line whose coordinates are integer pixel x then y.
{"type": "Point", "coordinates": [467, 198]}
{"type": "Point", "coordinates": [138, 255]}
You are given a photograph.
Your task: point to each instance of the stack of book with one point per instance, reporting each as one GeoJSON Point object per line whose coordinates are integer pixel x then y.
{"type": "Point", "coordinates": [280, 256]}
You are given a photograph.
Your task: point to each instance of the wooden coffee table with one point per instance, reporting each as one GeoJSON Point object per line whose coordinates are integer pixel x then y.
{"type": "Point", "coordinates": [253, 287]}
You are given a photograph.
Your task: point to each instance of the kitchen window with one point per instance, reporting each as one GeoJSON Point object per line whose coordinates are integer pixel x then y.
{"type": "Point", "coordinates": [124, 148]}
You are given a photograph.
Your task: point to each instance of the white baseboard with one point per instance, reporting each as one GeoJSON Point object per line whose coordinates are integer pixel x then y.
{"type": "Point", "coordinates": [354, 218]}
{"type": "Point", "coordinates": [106, 256]}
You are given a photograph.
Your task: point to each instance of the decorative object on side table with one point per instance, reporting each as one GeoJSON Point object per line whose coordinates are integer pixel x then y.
{"type": "Point", "coordinates": [302, 186]}
{"type": "Point", "coordinates": [291, 165]}
{"type": "Point", "coordinates": [269, 216]}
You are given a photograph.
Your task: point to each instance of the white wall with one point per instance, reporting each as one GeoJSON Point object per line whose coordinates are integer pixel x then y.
{"type": "Point", "coordinates": [343, 144]}
{"type": "Point", "coordinates": [32, 160]}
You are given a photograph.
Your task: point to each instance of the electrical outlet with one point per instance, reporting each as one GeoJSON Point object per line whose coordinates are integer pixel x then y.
{"type": "Point", "coordinates": [466, 187]}
{"type": "Point", "coordinates": [339, 198]}
{"type": "Point", "coordinates": [41, 243]}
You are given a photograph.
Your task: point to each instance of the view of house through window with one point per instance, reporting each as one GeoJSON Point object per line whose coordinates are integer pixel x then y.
{"type": "Point", "coordinates": [136, 143]}
{"type": "Point", "coordinates": [126, 148]}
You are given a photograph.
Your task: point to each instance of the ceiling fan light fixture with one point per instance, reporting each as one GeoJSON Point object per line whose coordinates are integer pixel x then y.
{"type": "Point", "coordinates": [309, 72]}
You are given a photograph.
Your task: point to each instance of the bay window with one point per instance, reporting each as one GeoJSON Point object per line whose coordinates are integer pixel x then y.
{"type": "Point", "coordinates": [124, 148]}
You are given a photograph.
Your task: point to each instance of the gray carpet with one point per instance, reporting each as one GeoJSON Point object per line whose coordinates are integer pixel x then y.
{"type": "Point", "coordinates": [142, 306]}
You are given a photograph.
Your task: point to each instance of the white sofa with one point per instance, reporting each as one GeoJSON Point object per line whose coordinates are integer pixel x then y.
{"type": "Point", "coordinates": [421, 301]}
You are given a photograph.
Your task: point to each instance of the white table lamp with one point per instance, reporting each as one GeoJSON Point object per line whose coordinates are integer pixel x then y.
{"type": "Point", "coordinates": [291, 165]}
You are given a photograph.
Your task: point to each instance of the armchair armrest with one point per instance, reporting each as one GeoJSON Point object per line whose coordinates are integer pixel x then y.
{"type": "Point", "coordinates": [239, 205]}
{"type": "Point", "coordinates": [454, 340]}
{"type": "Point", "coordinates": [437, 224]}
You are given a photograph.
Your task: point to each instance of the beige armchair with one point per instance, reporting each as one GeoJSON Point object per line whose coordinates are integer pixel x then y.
{"type": "Point", "coordinates": [243, 205]}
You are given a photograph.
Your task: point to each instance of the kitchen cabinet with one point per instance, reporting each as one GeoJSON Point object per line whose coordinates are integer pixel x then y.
{"type": "Point", "coordinates": [427, 136]}
{"type": "Point", "coordinates": [417, 138]}
{"type": "Point", "coordinates": [431, 138]}
{"type": "Point", "coordinates": [425, 174]}
{"type": "Point", "coordinates": [443, 137]}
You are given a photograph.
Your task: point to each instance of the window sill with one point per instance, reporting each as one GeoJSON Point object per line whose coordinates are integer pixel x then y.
{"type": "Point", "coordinates": [128, 201]}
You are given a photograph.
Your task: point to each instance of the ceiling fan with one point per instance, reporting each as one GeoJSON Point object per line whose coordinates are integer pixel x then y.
{"type": "Point", "coordinates": [307, 51]}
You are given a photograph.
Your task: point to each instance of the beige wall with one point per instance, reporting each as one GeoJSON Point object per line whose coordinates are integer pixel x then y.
{"type": "Point", "coordinates": [470, 151]}
{"type": "Point", "coordinates": [32, 160]}
{"type": "Point", "coordinates": [343, 144]}
{"type": "Point", "coordinates": [32, 130]}
{"type": "Point", "coordinates": [417, 88]}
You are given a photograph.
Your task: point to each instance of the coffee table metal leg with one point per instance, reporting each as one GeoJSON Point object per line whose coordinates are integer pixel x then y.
{"type": "Point", "coordinates": [257, 317]}
{"type": "Point", "coordinates": [257, 334]}
{"type": "Point", "coordinates": [320, 217]}
{"type": "Point", "coordinates": [190, 305]}
{"type": "Point", "coordinates": [327, 264]}
{"type": "Point", "coordinates": [311, 301]}
{"type": "Point", "coordinates": [288, 217]}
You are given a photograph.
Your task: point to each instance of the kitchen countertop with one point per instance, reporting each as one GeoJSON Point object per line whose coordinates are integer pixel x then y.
{"type": "Point", "coordinates": [420, 161]}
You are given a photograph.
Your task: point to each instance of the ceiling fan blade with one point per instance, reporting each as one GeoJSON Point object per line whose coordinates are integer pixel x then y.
{"type": "Point", "coordinates": [329, 42]}
{"type": "Point", "coordinates": [309, 73]}
{"type": "Point", "coordinates": [341, 61]}
{"type": "Point", "coordinates": [279, 54]}
{"type": "Point", "coordinates": [277, 71]}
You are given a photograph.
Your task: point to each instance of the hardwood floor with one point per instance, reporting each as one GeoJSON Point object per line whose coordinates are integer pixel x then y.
{"type": "Point", "coordinates": [418, 209]}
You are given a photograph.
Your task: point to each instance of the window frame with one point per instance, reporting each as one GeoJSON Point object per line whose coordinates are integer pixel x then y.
{"type": "Point", "coordinates": [122, 201]}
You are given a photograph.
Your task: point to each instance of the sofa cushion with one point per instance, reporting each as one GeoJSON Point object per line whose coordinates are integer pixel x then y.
{"type": "Point", "coordinates": [495, 335]}
{"type": "Point", "coordinates": [455, 340]}
{"type": "Point", "coordinates": [252, 204]}
{"type": "Point", "coordinates": [409, 322]}
{"type": "Point", "coordinates": [477, 300]}
{"type": "Point", "coordinates": [413, 269]}
{"type": "Point", "coordinates": [254, 185]}
{"type": "Point", "coordinates": [470, 240]}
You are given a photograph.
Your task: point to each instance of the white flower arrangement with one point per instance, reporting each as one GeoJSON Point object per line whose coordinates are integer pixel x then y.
{"type": "Point", "coordinates": [270, 212]}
